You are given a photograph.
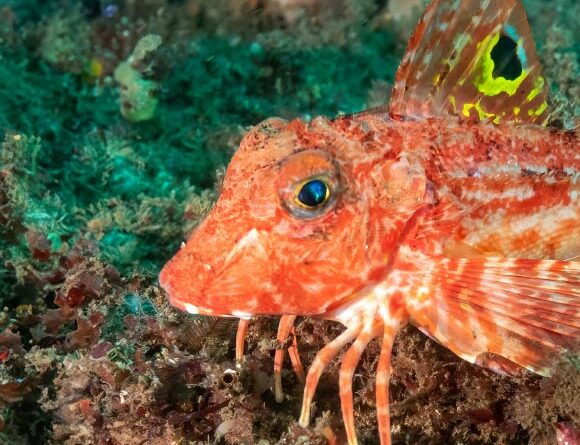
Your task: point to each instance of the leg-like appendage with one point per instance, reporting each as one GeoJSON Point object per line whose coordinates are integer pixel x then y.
{"type": "Point", "coordinates": [382, 388]}
{"type": "Point", "coordinates": [349, 364]}
{"type": "Point", "coordinates": [240, 338]}
{"type": "Point", "coordinates": [321, 361]}
{"type": "Point", "coordinates": [295, 358]}
{"type": "Point", "coordinates": [284, 328]}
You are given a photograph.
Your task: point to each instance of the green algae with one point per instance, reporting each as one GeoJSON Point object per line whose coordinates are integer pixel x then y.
{"type": "Point", "coordinates": [138, 95]}
{"type": "Point", "coordinates": [212, 89]}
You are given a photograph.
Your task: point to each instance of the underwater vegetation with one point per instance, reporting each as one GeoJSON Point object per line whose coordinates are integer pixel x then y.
{"type": "Point", "coordinates": [117, 119]}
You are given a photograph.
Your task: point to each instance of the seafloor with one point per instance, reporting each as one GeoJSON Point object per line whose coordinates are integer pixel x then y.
{"type": "Point", "coordinates": [117, 119]}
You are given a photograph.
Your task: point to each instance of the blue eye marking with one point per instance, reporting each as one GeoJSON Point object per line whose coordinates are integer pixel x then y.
{"type": "Point", "coordinates": [313, 194]}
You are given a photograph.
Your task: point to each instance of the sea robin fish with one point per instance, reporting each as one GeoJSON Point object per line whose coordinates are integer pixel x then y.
{"type": "Point", "coordinates": [454, 208]}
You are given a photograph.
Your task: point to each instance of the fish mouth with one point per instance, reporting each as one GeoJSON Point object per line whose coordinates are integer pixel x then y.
{"type": "Point", "coordinates": [192, 309]}
{"type": "Point", "coordinates": [188, 307]}
{"type": "Point", "coordinates": [166, 284]}
{"type": "Point", "coordinates": [195, 310]}
{"type": "Point", "coordinates": [180, 304]}
{"type": "Point", "coordinates": [194, 286]}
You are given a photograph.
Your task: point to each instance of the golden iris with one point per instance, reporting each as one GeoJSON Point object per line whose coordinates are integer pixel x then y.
{"type": "Point", "coordinates": [313, 194]}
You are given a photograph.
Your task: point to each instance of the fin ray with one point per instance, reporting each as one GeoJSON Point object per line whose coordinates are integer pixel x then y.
{"type": "Point", "coordinates": [527, 311]}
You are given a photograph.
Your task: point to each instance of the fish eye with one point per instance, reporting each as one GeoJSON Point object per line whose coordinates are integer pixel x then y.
{"type": "Point", "coordinates": [309, 184]}
{"type": "Point", "coordinates": [312, 194]}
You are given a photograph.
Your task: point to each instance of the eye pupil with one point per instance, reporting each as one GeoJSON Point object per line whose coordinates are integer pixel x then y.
{"type": "Point", "coordinates": [313, 194]}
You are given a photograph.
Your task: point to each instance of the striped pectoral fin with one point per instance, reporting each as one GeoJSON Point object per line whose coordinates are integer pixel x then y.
{"type": "Point", "coordinates": [483, 309]}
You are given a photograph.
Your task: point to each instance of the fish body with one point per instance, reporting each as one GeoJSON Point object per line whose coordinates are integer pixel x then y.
{"type": "Point", "coordinates": [443, 186]}
{"type": "Point", "coordinates": [454, 209]}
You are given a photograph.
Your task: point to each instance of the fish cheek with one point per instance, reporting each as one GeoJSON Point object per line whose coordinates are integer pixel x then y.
{"type": "Point", "coordinates": [395, 190]}
{"type": "Point", "coordinates": [325, 265]}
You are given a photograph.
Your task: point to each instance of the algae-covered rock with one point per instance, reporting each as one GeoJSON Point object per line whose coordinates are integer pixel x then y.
{"type": "Point", "coordinates": [66, 40]}
{"type": "Point", "coordinates": [138, 94]}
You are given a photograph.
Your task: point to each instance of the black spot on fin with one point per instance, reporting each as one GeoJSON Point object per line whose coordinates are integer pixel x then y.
{"type": "Point", "coordinates": [505, 58]}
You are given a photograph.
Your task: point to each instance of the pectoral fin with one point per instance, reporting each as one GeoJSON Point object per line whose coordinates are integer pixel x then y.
{"type": "Point", "coordinates": [526, 311]}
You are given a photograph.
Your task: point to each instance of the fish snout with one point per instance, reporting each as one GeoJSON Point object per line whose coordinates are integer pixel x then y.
{"type": "Point", "coordinates": [184, 279]}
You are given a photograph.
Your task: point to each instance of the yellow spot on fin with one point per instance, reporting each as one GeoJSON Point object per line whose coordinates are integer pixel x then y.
{"type": "Point", "coordinates": [538, 111]}
{"type": "Point", "coordinates": [453, 102]}
{"type": "Point", "coordinates": [481, 113]}
{"type": "Point", "coordinates": [538, 87]}
{"type": "Point", "coordinates": [485, 82]}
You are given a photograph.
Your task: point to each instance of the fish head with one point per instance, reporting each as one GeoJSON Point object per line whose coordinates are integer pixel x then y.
{"type": "Point", "coordinates": [309, 215]}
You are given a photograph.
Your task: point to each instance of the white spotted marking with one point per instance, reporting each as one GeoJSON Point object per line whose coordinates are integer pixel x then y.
{"type": "Point", "coordinates": [515, 193]}
{"type": "Point", "coordinates": [191, 309]}
{"type": "Point", "coordinates": [241, 314]}
{"type": "Point", "coordinates": [250, 241]}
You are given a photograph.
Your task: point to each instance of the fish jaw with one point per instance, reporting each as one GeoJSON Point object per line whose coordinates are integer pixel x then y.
{"type": "Point", "coordinates": [199, 279]}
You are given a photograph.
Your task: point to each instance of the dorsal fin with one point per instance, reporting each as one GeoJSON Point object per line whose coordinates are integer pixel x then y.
{"type": "Point", "coordinates": [475, 59]}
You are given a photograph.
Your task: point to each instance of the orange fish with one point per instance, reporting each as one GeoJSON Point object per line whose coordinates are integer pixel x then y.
{"type": "Point", "coordinates": [454, 208]}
